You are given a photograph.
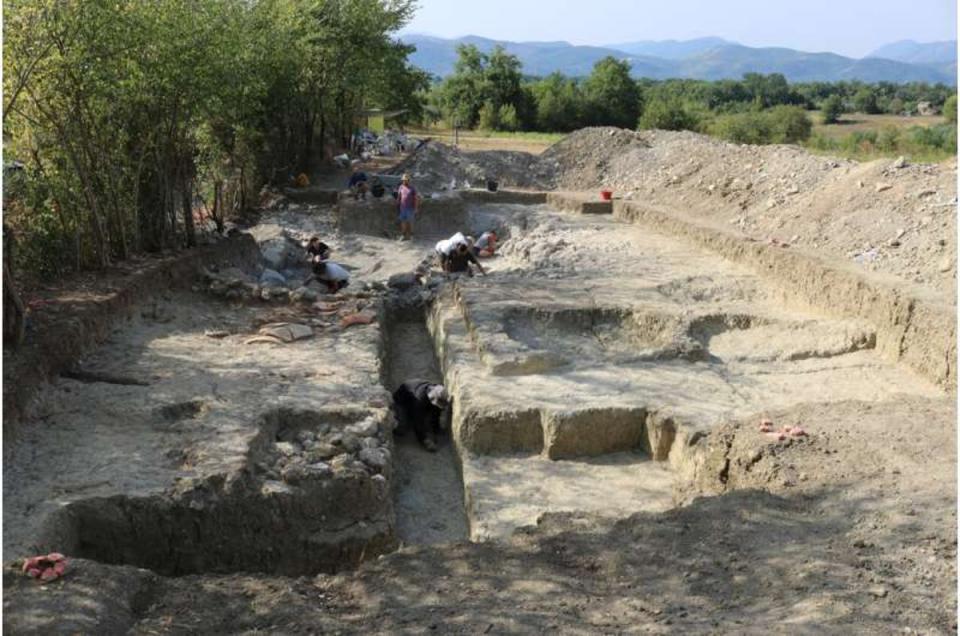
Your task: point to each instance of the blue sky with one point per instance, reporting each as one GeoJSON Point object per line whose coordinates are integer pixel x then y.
{"type": "Point", "coordinates": [848, 27]}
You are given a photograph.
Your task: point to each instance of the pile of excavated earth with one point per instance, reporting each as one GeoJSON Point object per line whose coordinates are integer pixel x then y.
{"type": "Point", "coordinates": [886, 216]}
{"type": "Point", "coordinates": [724, 402]}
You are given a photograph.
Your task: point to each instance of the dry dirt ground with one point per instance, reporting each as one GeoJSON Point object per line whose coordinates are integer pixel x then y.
{"type": "Point", "coordinates": [848, 529]}
{"type": "Point", "coordinates": [885, 216]}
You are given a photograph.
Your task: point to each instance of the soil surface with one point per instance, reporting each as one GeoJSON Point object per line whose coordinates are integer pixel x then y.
{"type": "Point", "coordinates": [605, 453]}
{"type": "Point", "coordinates": [429, 488]}
{"type": "Point", "coordinates": [886, 216]}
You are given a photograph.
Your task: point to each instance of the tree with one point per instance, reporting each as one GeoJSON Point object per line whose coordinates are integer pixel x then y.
{"type": "Point", "coordinates": [612, 97]}
{"type": "Point", "coordinates": [865, 101]}
{"type": "Point", "coordinates": [768, 90]}
{"type": "Point", "coordinates": [126, 112]}
{"type": "Point", "coordinates": [558, 103]}
{"type": "Point", "coordinates": [832, 108]}
{"type": "Point", "coordinates": [668, 114]}
{"type": "Point", "coordinates": [789, 124]}
{"type": "Point", "coordinates": [950, 109]}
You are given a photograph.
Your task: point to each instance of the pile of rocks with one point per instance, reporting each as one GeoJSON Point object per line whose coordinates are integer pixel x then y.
{"type": "Point", "coordinates": [270, 286]}
{"type": "Point", "coordinates": [326, 450]}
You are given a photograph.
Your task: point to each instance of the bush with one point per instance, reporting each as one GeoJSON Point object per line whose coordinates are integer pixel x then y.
{"type": "Point", "coordinates": [888, 139]}
{"type": "Point", "coordinates": [950, 109]}
{"type": "Point", "coordinates": [789, 124]}
{"type": "Point", "coordinates": [670, 114]}
{"type": "Point", "coordinates": [832, 108]}
{"type": "Point", "coordinates": [778, 125]}
{"type": "Point", "coordinates": [743, 128]}
{"type": "Point", "coordinates": [507, 117]}
{"type": "Point", "coordinates": [489, 116]}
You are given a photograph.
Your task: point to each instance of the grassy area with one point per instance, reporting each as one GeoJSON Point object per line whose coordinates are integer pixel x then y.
{"type": "Point", "coordinates": [862, 137]}
{"type": "Point", "coordinates": [858, 122]}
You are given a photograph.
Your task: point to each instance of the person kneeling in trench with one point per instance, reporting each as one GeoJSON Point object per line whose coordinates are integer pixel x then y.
{"type": "Point", "coordinates": [420, 404]}
{"type": "Point", "coordinates": [460, 259]}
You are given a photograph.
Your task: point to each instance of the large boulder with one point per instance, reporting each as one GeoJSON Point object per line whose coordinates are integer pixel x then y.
{"type": "Point", "coordinates": [405, 280]}
{"type": "Point", "coordinates": [272, 278]}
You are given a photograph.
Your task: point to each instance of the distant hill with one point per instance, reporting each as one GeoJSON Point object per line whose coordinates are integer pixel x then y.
{"type": "Point", "coordinates": [919, 53]}
{"type": "Point", "coordinates": [733, 60]}
{"type": "Point", "coordinates": [670, 49]}
{"type": "Point", "coordinates": [438, 56]}
{"type": "Point", "coordinates": [705, 58]}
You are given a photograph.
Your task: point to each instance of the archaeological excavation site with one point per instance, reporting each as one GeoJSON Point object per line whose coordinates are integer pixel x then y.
{"type": "Point", "coordinates": [721, 401]}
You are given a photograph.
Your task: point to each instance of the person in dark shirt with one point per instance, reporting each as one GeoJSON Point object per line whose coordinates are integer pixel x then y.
{"type": "Point", "coordinates": [419, 405]}
{"type": "Point", "coordinates": [460, 258]}
{"type": "Point", "coordinates": [358, 183]}
{"type": "Point", "coordinates": [317, 250]}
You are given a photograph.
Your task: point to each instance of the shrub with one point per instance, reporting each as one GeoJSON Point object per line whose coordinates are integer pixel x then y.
{"type": "Point", "coordinates": [832, 108]}
{"type": "Point", "coordinates": [780, 124]}
{"type": "Point", "coordinates": [489, 119]}
{"type": "Point", "coordinates": [950, 109]}
{"type": "Point", "coordinates": [668, 115]}
{"type": "Point", "coordinates": [507, 117]}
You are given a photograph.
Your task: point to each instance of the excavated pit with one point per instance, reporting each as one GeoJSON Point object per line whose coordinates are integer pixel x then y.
{"type": "Point", "coordinates": [428, 486]}
{"type": "Point", "coordinates": [313, 496]}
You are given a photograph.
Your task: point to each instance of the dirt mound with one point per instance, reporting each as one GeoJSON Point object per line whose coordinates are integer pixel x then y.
{"type": "Point", "coordinates": [885, 216]}
{"type": "Point", "coordinates": [437, 166]}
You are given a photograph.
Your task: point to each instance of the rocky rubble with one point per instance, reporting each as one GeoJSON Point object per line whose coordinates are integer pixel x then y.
{"type": "Point", "coordinates": [325, 451]}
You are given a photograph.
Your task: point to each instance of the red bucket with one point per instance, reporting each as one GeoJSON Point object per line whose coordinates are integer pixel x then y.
{"type": "Point", "coordinates": [606, 195]}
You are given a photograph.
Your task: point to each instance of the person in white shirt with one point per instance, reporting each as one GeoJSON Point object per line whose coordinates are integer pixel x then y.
{"type": "Point", "coordinates": [335, 276]}
{"type": "Point", "coordinates": [486, 245]}
{"type": "Point", "coordinates": [446, 247]}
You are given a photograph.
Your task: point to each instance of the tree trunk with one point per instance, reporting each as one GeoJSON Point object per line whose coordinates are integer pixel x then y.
{"type": "Point", "coordinates": [14, 313]}
{"type": "Point", "coordinates": [186, 192]}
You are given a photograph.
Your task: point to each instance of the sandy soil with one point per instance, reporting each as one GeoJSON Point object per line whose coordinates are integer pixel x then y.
{"type": "Point", "coordinates": [850, 529]}
{"type": "Point", "coordinates": [885, 216]}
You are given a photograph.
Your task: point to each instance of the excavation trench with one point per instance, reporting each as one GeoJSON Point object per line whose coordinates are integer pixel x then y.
{"type": "Point", "coordinates": [428, 486]}
{"type": "Point", "coordinates": [303, 503]}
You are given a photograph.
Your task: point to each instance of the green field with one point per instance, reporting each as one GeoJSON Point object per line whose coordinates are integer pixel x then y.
{"type": "Point", "coordinates": [867, 137]}
{"type": "Point", "coordinates": [858, 122]}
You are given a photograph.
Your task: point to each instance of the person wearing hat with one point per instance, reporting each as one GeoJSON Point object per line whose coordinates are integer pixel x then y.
{"type": "Point", "coordinates": [408, 205]}
{"type": "Point", "coordinates": [420, 404]}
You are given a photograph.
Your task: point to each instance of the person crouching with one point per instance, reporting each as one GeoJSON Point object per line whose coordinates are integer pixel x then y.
{"type": "Point", "coordinates": [460, 258]}
{"type": "Point", "coordinates": [334, 276]}
{"type": "Point", "coordinates": [419, 404]}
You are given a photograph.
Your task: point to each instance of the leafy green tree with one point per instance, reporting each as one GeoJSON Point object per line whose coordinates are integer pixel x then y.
{"type": "Point", "coordinates": [489, 116]}
{"type": "Point", "coordinates": [668, 114]}
{"type": "Point", "coordinates": [865, 101]}
{"type": "Point", "coordinates": [950, 109]}
{"type": "Point", "coordinates": [558, 103]}
{"type": "Point", "coordinates": [788, 124]}
{"type": "Point", "coordinates": [502, 78]}
{"type": "Point", "coordinates": [612, 97]}
{"type": "Point", "coordinates": [507, 117]}
{"type": "Point", "coordinates": [128, 112]}
{"type": "Point", "coordinates": [832, 108]}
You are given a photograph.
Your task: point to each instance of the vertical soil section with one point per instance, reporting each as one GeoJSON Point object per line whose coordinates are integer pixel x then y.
{"type": "Point", "coordinates": [429, 489]}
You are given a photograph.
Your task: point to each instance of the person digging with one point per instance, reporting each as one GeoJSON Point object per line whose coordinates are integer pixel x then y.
{"type": "Point", "coordinates": [419, 405]}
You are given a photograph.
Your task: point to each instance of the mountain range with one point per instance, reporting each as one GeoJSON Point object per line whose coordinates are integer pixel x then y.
{"type": "Point", "coordinates": [705, 58]}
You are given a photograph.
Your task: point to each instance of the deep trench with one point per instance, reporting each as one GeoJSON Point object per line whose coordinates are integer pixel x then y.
{"type": "Point", "coordinates": [428, 486]}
